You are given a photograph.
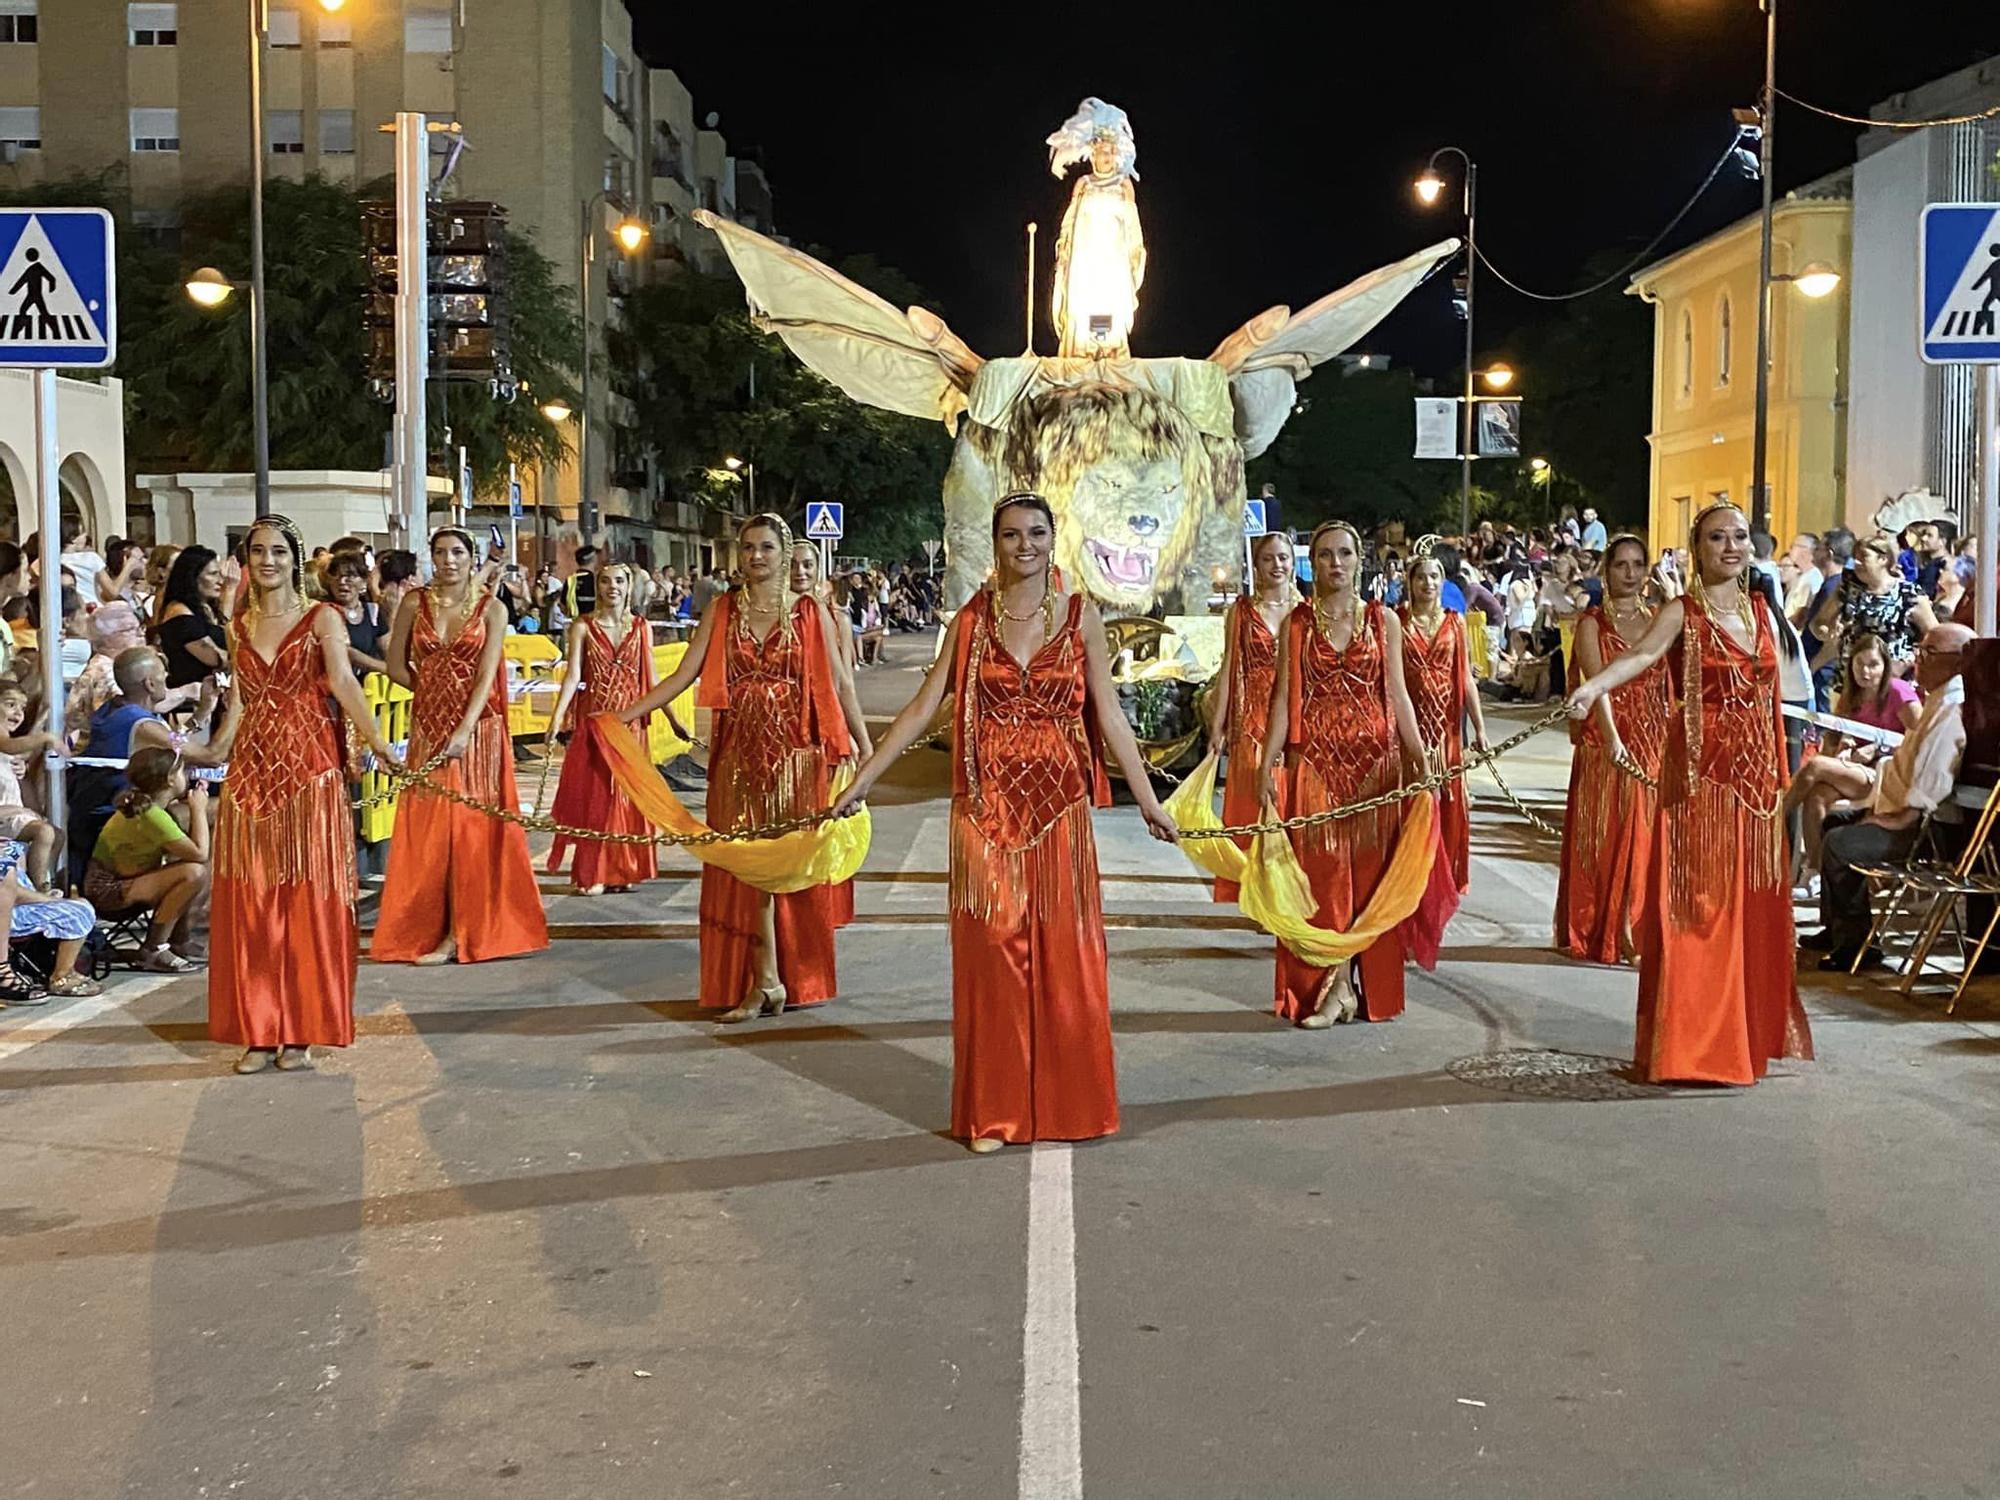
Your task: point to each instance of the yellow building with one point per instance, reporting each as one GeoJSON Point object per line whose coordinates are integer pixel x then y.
{"type": "Point", "coordinates": [556, 106]}
{"type": "Point", "coordinates": [1704, 369]}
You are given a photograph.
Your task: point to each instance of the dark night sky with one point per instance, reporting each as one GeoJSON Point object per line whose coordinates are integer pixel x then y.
{"type": "Point", "coordinates": [1275, 155]}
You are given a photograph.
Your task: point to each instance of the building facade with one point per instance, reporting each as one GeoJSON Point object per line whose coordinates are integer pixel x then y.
{"type": "Point", "coordinates": [1704, 301]}
{"type": "Point", "coordinates": [563, 123]}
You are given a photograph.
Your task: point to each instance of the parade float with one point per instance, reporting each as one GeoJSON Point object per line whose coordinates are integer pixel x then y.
{"type": "Point", "coordinates": [1141, 460]}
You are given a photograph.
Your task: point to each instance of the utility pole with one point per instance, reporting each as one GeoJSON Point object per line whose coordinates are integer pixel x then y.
{"type": "Point", "coordinates": [412, 494]}
{"type": "Point", "coordinates": [1760, 431]}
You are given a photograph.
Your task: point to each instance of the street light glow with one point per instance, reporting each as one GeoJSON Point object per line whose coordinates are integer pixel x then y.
{"type": "Point", "coordinates": [208, 287]}
{"type": "Point", "coordinates": [1429, 186]}
{"type": "Point", "coordinates": [1538, 466]}
{"type": "Point", "coordinates": [556, 411]}
{"type": "Point", "coordinates": [732, 462]}
{"type": "Point", "coordinates": [1816, 280]}
{"type": "Point", "coordinates": [330, 6]}
{"type": "Point", "coordinates": [1498, 378]}
{"type": "Point", "coordinates": [631, 234]}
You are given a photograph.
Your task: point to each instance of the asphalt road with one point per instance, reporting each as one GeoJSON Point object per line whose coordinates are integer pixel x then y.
{"type": "Point", "coordinates": [546, 1232]}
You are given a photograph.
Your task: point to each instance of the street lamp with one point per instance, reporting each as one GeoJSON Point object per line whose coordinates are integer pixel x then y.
{"type": "Point", "coordinates": [747, 468]}
{"type": "Point", "coordinates": [1497, 377]}
{"type": "Point", "coordinates": [208, 287]}
{"type": "Point", "coordinates": [556, 410]}
{"type": "Point", "coordinates": [1817, 280]}
{"type": "Point", "coordinates": [630, 235]}
{"type": "Point", "coordinates": [1429, 188]}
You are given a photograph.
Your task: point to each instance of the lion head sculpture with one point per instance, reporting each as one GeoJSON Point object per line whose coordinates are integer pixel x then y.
{"type": "Point", "coordinates": [1134, 484]}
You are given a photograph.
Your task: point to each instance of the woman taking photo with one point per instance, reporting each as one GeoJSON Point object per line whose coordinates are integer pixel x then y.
{"type": "Point", "coordinates": [1443, 693]}
{"type": "Point", "coordinates": [346, 576]}
{"type": "Point", "coordinates": [460, 885]}
{"type": "Point", "coordinates": [609, 668]}
{"type": "Point", "coordinates": [785, 717]}
{"type": "Point", "coordinates": [1030, 994]}
{"type": "Point", "coordinates": [1607, 845]}
{"type": "Point", "coordinates": [1242, 697]}
{"type": "Point", "coordinates": [1718, 993]}
{"type": "Point", "coordinates": [1342, 726]}
{"type": "Point", "coordinates": [281, 925]}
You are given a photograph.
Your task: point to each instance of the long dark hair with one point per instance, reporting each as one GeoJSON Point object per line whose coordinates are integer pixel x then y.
{"type": "Point", "coordinates": [149, 771]}
{"type": "Point", "coordinates": [184, 582]}
{"type": "Point", "coordinates": [1762, 583]}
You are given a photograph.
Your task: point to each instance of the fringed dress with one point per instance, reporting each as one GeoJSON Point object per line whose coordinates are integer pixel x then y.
{"type": "Point", "coordinates": [1435, 672]}
{"type": "Point", "coordinates": [779, 734]}
{"type": "Point", "coordinates": [1608, 830]}
{"type": "Point", "coordinates": [454, 871]}
{"type": "Point", "coordinates": [1031, 1008]}
{"type": "Point", "coordinates": [1253, 667]}
{"type": "Point", "coordinates": [1341, 747]}
{"type": "Point", "coordinates": [281, 924]}
{"type": "Point", "coordinates": [1718, 993]}
{"type": "Point", "coordinates": [615, 676]}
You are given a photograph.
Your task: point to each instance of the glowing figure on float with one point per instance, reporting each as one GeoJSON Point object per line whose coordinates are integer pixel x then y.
{"type": "Point", "coordinates": [1141, 460]}
{"type": "Point", "coordinates": [1101, 253]}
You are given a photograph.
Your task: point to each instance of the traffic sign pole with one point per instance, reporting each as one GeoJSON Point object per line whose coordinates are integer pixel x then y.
{"type": "Point", "coordinates": [48, 465]}
{"type": "Point", "coordinates": [1983, 601]}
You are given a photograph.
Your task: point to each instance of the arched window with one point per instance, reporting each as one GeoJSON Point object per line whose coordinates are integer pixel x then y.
{"type": "Point", "coordinates": [1724, 343]}
{"type": "Point", "coordinates": [1687, 354]}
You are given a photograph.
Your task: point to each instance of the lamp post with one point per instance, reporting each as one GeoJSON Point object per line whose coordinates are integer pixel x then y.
{"type": "Point", "coordinates": [748, 469]}
{"type": "Point", "coordinates": [1760, 430]}
{"type": "Point", "coordinates": [1429, 187]}
{"type": "Point", "coordinates": [557, 411]}
{"type": "Point", "coordinates": [631, 235]}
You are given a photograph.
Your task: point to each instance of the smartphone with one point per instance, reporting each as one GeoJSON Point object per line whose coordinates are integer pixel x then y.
{"type": "Point", "coordinates": [499, 542]}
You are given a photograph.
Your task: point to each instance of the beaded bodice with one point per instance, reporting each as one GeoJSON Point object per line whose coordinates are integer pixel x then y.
{"type": "Point", "coordinates": [615, 676]}
{"type": "Point", "coordinates": [1639, 708]}
{"type": "Point", "coordinates": [1254, 667]}
{"type": "Point", "coordinates": [1030, 754]}
{"type": "Point", "coordinates": [290, 731]}
{"type": "Point", "coordinates": [444, 672]}
{"type": "Point", "coordinates": [1432, 671]}
{"type": "Point", "coordinates": [1736, 748]}
{"type": "Point", "coordinates": [1344, 734]}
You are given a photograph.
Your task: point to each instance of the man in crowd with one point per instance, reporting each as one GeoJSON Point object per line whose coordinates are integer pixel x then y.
{"type": "Point", "coordinates": [1934, 542]}
{"type": "Point", "coordinates": [1916, 780]}
{"type": "Point", "coordinates": [1805, 588]}
{"type": "Point", "coordinates": [1594, 537]}
{"type": "Point", "coordinates": [580, 593]}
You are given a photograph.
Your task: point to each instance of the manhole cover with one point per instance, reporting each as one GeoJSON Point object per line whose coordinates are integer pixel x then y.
{"type": "Point", "coordinates": [1545, 1074]}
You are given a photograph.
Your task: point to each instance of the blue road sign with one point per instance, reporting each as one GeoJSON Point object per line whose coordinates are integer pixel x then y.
{"type": "Point", "coordinates": [1256, 520]}
{"type": "Point", "coordinates": [58, 289]}
{"type": "Point", "coordinates": [1959, 252]}
{"type": "Point", "coordinates": [514, 498]}
{"type": "Point", "coordinates": [826, 520]}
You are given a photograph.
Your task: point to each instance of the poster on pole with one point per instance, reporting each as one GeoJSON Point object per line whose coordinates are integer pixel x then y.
{"type": "Point", "coordinates": [1498, 429]}
{"type": "Point", "coordinates": [1437, 427]}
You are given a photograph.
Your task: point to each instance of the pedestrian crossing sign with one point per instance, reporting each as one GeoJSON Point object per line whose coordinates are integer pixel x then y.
{"type": "Point", "coordinates": [826, 520]}
{"type": "Point", "coordinates": [1959, 252]}
{"type": "Point", "coordinates": [58, 289]}
{"type": "Point", "coordinates": [1256, 518]}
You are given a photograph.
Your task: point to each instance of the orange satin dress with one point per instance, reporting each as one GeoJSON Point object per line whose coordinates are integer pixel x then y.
{"type": "Point", "coordinates": [1030, 994]}
{"type": "Point", "coordinates": [454, 872]}
{"type": "Point", "coordinates": [614, 678]}
{"type": "Point", "coordinates": [1435, 672]}
{"type": "Point", "coordinates": [1608, 829]}
{"type": "Point", "coordinates": [1253, 668]}
{"type": "Point", "coordinates": [1341, 745]}
{"type": "Point", "coordinates": [281, 923]}
{"type": "Point", "coordinates": [778, 735]}
{"type": "Point", "coordinates": [1718, 993]}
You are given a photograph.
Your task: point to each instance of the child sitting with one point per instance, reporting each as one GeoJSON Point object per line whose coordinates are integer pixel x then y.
{"type": "Point", "coordinates": [144, 858]}
{"type": "Point", "coordinates": [29, 912]}
{"type": "Point", "coordinates": [17, 819]}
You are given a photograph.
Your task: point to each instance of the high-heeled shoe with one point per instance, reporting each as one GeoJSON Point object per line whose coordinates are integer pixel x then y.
{"type": "Point", "coordinates": [1337, 1003]}
{"type": "Point", "coordinates": [759, 1002]}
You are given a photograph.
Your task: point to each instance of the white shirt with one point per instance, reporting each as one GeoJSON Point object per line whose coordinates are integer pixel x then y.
{"type": "Point", "coordinates": [86, 566]}
{"type": "Point", "coordinates": [1919, 777]}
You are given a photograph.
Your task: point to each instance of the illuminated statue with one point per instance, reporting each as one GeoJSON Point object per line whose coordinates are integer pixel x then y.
{"type": "Point", "coordinates": [1101, 253]}
{"type": "Point", "coordinates": [1141, 460]}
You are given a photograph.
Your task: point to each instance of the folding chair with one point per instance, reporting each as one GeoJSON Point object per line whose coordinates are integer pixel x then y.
{"type": "Point", "coordinates": [1943, 885]}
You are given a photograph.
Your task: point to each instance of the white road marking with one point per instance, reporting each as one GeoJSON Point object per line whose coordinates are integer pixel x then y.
{"type": "Point", "coordinates": [47, 1027]}
{"type": "Point", "coordinates": [1051, 1403]}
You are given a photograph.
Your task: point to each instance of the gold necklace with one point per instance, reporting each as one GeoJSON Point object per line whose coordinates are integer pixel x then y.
{"type": "Point", "coordinates": [1046, 609]}
{"type": "Point", "coordinates": [1325, 623]}
{"type": "Point", "coordinates": [752, 607]}
{"type": "Point", "coordinates": [1742, 610]}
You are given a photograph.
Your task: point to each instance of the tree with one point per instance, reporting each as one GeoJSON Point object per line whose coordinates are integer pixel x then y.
{"type": "Point", "coordinates": [1346, 452]}
{"type": "Point", "coordinates": [187, 369]}
{"type": "Point", "coordinates": [684, 358]}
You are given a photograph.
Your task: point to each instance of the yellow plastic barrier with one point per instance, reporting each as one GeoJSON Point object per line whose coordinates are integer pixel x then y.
{"type": "Point", "coordinates": [660, 739]}
{"type": "Point", "coordinates": [1478, 643]}
{"type": "Point", "coordinates": [536, 660]}
{"type": "Point", "coordinates": [392, 718]}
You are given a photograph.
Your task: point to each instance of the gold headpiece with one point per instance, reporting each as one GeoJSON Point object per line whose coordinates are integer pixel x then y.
{"type": "Point", "coordinates": [775, 522]}
{"type": "Point", "coordinates": [1312, 542]}
{"type": "Point", "coordinates": [290, 530]}
{"type": "Point", "coordinates": [1694, 526]}
{"type": "Point", "coordinates": [1427, 544]}
{"type": "Point", "coordinates": [461, 533]}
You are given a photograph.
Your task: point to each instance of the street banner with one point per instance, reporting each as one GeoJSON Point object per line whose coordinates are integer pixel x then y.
{"type": "Point", "coordinates": [1437, 427]}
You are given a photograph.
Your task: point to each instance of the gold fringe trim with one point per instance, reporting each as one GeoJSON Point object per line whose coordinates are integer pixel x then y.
{"type": "Point", "coordinates": [1004, 885]}
{"type": "Point", "coordinates": [790, 790]}
{"type": "Point", "coordinates": [308, 839]}
{"type": "Point", "coordinates": [1606, 799]}
{"type": "Point", "coordinates": [1712, 836]}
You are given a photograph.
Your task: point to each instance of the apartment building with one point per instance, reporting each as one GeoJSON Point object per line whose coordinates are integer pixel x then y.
{"type": "Point", "coordinates": [562, 121]}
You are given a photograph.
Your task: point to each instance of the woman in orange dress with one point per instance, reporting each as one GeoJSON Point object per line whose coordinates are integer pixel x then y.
{"type": "Point", "coordinates": [1030, 996]}
{"type": "Point", "coordinates": [1242, 694]}
{"type": "Point", "coordinates": [1607, 846]}
{"type": "Point", "coordinates": [1342, 724]}
{"type": "Point", "coordinates": [460, 884]}
{"type": "Point", "coordinates": [1718, 994]}
{"type": "Point", "coordinates": [805, 579]}
{"type": "Point", "coordinates": [1438, 673]}
{"type": "Point", "coordinates": [609, 667]}
{"type": "Point", "coordinates": [281, 915]}
{"type": "Point", "coordinates": [785, 716]}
